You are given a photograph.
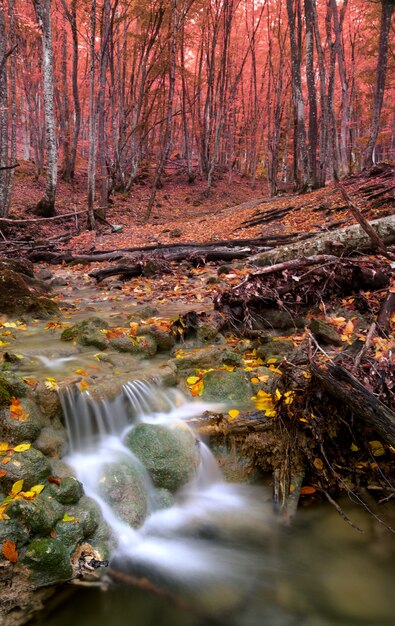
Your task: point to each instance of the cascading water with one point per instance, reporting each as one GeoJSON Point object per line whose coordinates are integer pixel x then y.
{"type": "Point", "coordinates": [192, 539]}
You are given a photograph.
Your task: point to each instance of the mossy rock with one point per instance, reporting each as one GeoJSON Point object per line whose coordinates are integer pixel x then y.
{"type": "Point", "coordinates": [170, 454]}
{"type": "Point", "coordinates": [145, 345]}
{"type": "Point", "coordinates": [324, 332]}
{"type": "Point", "coordinates": [38, 515]}
{"type": "Point", "coordinates": [225, 386]}
{"type": "Point", "coordinates": [164, 499]}
{"type": "Point", "coordinates": [20, 266]}
{"type": "Point", "coordinates": [68, 491]}
{"type": "Point", "coordinates": [87, 333]}
{"type": "Point", "coordinates": [48, 401]}
{"type": "Point", "coordinates": [15, 431]}
{"type": "Point", "coordinates": [88, 512]}
{"type": "Point", "coordinates": [48, 561]}
{"type": "Point", "coordinates": [17, 300]}
{"type": "Point", "coordinates": [6, 392]}
{"type": "Point", "coordinates": [69, 533]}
{"type": "Point", "coordinates": [123, 487]}
{"type": "Point", "coordinates": [143, 314]}
{"type": "Point", "coordinates": [275, 349]}
{"type": "Point", "coordinates": [205, 358]}
{"type": "Point", "coordinates": [165, 341]}
{"type": "Point", "coordinates": [51, 442]}
{"type": "Point", "coordinates": [30, 466]}
{"type": "Point", "coordinates": [12, 530]}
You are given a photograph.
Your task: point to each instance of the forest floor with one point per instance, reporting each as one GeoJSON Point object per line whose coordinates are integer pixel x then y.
{"type": "Point", "coordinates": [183, 214]}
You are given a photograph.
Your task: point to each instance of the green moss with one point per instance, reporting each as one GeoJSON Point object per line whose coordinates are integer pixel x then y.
{"type": "Point", "coordinates": [48, 561]}
{"type": "Point", "coordinates": [5, 393]}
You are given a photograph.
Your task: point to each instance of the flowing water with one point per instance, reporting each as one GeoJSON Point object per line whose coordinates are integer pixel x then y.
{"type": "Point", "coordinates": [218, 549]}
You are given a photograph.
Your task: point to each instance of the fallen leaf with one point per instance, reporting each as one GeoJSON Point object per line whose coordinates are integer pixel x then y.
{"type": "Point", "coordinates": [233, 413]}
{"type": "Point", "coordinates": [377, 448]}
{"type": "Point", "coordinates": [318, 464]}
{"type": "Point", "coordinates": [16, 488]}
{"type": "Point", "coordinates": [307, 490]}
{"type": "Point", "coordinates": [9, 551]}
{"type": "Point", "coordinates": [22, 447]}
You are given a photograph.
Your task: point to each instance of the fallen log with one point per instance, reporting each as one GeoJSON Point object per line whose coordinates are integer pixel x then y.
{"type": "Point", "coordinates": [385, 314]}
{"type": "Point", "coordinates": [339, 383]}
{"type": "Point", "coordinates": [344, 241]}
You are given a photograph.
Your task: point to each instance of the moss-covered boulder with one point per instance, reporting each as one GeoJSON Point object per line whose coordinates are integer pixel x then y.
{"type": "Point", "coordinates": [88, 513]}
{"type": "Point", "coordinates": [87, 333]}
{"type": "Point", "coordinates": [225, 386]}
{"type": "Point", "coordinates": [165, 340]}
{"type": "Point", "coordinates": [48, 561]}
{"type": "Point", "coordinates": [67, 490]}
{"type": "Point", "coordinates": [188, 361]}
{"type": "Point", "coordinates": [6, 392]}
{"type": "Point", "coordinates": [38, 515]}
{"type": "Point", "coordinates": [275, 348]}
{"type": "Point", "coordinates": [30, 466]}
{"type": "Point", "coordinates": [144, 345]}
{"type": "Point", "coordinates": [51, 441]}
{"type": "Point", "coordinates": [70, 533]}
{"type": "Point", "coordinates": [324, 332]}
{"type": "Point", "coordinates": [48, 401]}
{"type": "Point", "coordinates": [12, 530]}
{"type": "Point", "coordinates": [170, 454]}
{"type": "Point", "coordinates": [17, 300]}
{"type": "Point", "coordinates": [123, 487]}
{"type": "Point", "coordinates": [17, 431]}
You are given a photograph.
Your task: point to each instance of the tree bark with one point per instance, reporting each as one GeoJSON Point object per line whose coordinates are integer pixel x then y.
{"type": "Point", "coordinates": [387, 9]}
{"type": "Point", "coordinates": [340, 242]}
{"type": "Point", "coordinates": [46, 206]}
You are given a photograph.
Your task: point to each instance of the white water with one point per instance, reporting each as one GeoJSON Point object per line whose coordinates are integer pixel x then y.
{"type": "Point", "coordinates": [172, 542]}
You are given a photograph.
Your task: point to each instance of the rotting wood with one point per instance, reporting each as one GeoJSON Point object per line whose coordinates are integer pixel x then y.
{"type": "Point", "coordinates": [386, 311]}
{"type": "Point", "coordinates": [342, 385]}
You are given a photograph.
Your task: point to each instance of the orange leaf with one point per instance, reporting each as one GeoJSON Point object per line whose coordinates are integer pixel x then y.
{"type": "Point", "coordinates": [2, 473]}
{"type": "Point", "coordinates": [308, 490]}
{"type": "Point", "coordinates": [9, 551]}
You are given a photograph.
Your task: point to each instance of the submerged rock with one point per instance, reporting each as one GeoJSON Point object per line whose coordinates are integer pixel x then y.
{"type": "Point", "coordinates": [170, 454]}
{"type": "Point", "coordinates": [123, 487]}
{"type": "Point", "coordinates": [145, 345]}
{"type": "Point", "coordinates": [87, 333]}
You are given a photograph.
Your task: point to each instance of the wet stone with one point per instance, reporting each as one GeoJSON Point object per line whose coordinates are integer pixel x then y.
{"type": "Point", "coordinates": [69, 490]}
{"type": "Point", "coordinates": [224, 386]}
{"type": "Point", "coordinates": [170, 454]}
{"type": "Point", "coordinates": [38, 515]}
{"type": "Point", "coordinates": [123, 487]}
{"type": "Point", "coordinates": [30, 466]}
{"type": "Point", "coordinates": [48, 560]}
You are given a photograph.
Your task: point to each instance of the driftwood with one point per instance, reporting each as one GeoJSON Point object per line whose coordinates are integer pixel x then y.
{"type": "Point", "coordinates": [342, 385]}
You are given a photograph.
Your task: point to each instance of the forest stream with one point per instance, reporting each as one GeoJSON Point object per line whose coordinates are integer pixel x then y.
{"type": "Point", "coordinates": [179, 544]}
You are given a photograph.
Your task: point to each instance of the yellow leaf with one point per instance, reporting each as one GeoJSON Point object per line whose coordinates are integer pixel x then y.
{"type": "Point", "coordinates": [192, 380]}
{"type": "Point", "coordinates": [22, 447]}
{"type": "Point", "coordinates": [255, 380]}
{"type": "Point", "coordinates": [377, 448]}
{"type": "Point", "coordinates": [277, 394]}
{"type": "Point", "coordinates": [233, 413]}
{"type": "Point", "coordinates": [70, 518]}
{"type": "Point", "coordinates": [51, 384]}
{"type": "Point", "coordinates": [306, 375]}
{"type": "Point", "coordinates": [16, 487]}
{"type": "Point", "coordinates": [29, 495]}
{"type": "Point", "coordinates": [354, 448]}
{"type": "Point", "coordinates": [264, 378]}
{"type": "Point", "coordinates": [272, 360]}
{"type": "Point", "coordinates": [318, 464]}
{"type": "Point", "coordinates": [3, 446]}
{"type": "Point", "coordinates": [4, 343]}
{"type": "Point", "coordinates": [37, 489]}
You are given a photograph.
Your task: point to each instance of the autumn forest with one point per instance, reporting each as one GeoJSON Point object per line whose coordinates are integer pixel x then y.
{"type": "Point", "coordinates": [294, 92]}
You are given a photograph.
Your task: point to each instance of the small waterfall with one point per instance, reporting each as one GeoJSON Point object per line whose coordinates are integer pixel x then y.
{"type": "Point", "coordinates": [170, 541]}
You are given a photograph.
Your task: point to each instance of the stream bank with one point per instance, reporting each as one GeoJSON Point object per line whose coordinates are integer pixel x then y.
{"type": "Point", "coordinates": [273, 421]}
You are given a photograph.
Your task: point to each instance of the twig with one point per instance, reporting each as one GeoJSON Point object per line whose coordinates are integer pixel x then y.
{"type": "Point", "coordinates": [366, 345]}
{"type": "Point", "coordinates": [341, 512]}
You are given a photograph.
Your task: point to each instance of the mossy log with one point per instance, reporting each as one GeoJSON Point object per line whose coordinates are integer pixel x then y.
{"type": "Point", "coordinates": [343, 241]}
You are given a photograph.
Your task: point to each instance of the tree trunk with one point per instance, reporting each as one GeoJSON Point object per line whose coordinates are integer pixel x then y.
{"type": "Point", "coordinates": [92, 123]}
{"type": "Point", "coordinates": [3, 115]}
{"type": "Point", "coordinates": [387, 9]}
{"type": "Point", "coordinates": [46, 206]}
